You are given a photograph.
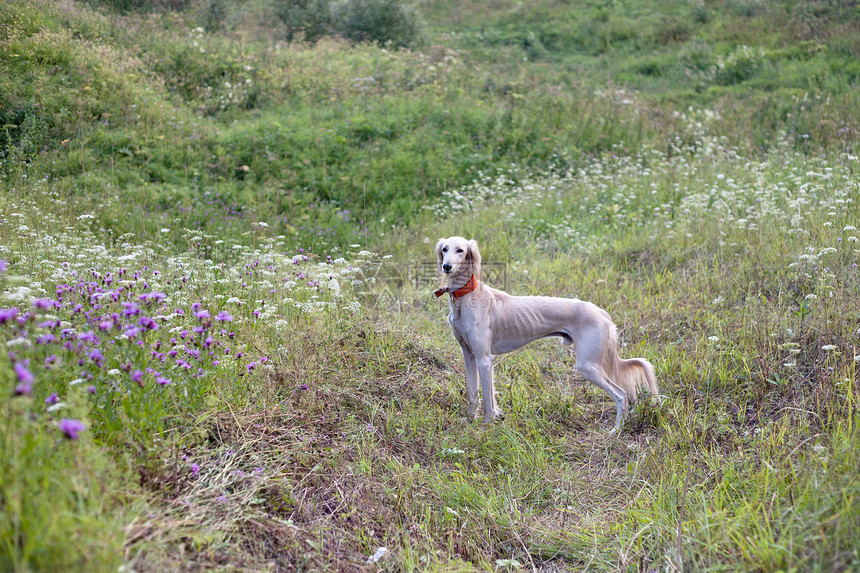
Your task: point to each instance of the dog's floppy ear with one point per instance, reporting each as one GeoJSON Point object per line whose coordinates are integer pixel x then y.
{"type": "Point", "coordinates": [437, 252]}
{"type": "Point", "coordinates": [474, 256]}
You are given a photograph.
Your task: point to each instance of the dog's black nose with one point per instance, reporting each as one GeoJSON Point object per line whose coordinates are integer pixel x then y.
{"type": "Point", "coordinates": [446, 267]}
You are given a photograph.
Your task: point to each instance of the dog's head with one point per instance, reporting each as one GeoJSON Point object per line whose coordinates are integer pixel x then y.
{"type": "Point", "coordinates": [457, 257]}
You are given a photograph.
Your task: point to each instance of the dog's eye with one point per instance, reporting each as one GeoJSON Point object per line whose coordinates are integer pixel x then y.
{"type": "Point", "coordinates": [445, 249]}
{"type": "Point", "coordinates": [459, 250]}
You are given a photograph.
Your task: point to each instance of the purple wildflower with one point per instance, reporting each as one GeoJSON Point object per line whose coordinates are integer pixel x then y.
{"type": "Point", "coordinates": [24, 389]}
{"type": "Point", "coordinates": [43, 303]}
{"type": "Point", "coordinates": [3, 265]}
{"type": "Point", "coordinates": [7, 314]}
{"type": "Point", "coordinates": [148, 323]}
{"type": "Point", "coordinates": [97, 357]}
{"type": "Point", "coordinates": [91, 389]}
{"type": "Point", "coordinates": [163, 380]}
{"type": "Point", "coordinates": [224, 316]}
{"type": "Point", "coordinates": [23, 373]}
{"type": "Point", "coordinates": [195, 469]}
{"type": "Point", "coordinates": [131, 308]}
{"type": "Point", "coordinates": [71, 428]}
{"type": "Point", "coordinates": [52, 399]}
{"type": "Point", "coordinates": [150, 297]}
{"type": "Point", "coordinates": [106, 325]}
{"type": "Point", "coordinates": [136, 377]}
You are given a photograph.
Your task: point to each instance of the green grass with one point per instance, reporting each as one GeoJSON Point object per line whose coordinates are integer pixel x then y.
{"type": "Point", "coordinates": [634, 154]}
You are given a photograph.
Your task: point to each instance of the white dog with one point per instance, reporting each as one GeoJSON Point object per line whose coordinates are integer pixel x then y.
{"type": "Point", "coordinates": [487, 321]}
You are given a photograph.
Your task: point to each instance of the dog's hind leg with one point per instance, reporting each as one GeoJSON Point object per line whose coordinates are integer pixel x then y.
{"type": "Point", "coordinates": [593, 372]}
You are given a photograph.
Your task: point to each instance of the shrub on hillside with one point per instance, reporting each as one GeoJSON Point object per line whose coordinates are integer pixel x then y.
{"type": "Point", "coordinates": [380, 21]}
{"type": "Point", "coordinates": [305, 19]}
{"type": "Point", "coordinates": [738, 66]}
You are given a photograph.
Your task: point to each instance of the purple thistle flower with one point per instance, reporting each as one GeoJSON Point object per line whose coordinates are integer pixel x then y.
{"type": "Point", "coordinates": [224, 316]}
{"type": "Point", "coordinates": [88, 336]}
{"type": "Point", "coordinates": [150, 297]}
{"type": "Point", "coordinates": [195, 469]}
{"type": "Point", "coordinates": [163, 380]}
{"type": "Point", "coordinates": [148, 323]}
{"type": "Point", "coordinates": [106, 325]}
{"type": "Point", "coordinates": [43, 303]}
{"type": "Point", "coordinates": [97, 357]}
{"type": "Point", "coordinates": [45, 339]}
{"type": "Point", "coordinates": [24, 389]}
{"type": "Point", "coordinates": [132, 332]}
{"type": "Point", "coordinates": [136, 377]}
{"type": "Point", "coordinates": [91, 389]}
{"type": "Point", "coordinates": [7, 314]}
{"type": "Point", "coordinates": [52, 399]}
{"type": "Point", "coordinates": [23, 373]}
{"type": "Point", "coordinates": [130, 308]}
{"type": "Point", "coordinates": [71, 428]}
{"type": "Point", "coordinates": [201, 314]}
{"type": "Point", "coordinates": [3, 265]}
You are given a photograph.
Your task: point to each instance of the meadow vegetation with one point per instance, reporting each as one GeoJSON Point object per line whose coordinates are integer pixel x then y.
{"type": "Point", "coordinates": [220, 347]}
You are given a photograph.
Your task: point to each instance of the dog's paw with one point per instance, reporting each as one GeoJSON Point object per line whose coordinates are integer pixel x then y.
{"type": "Point", "coordinates": [497, 416]}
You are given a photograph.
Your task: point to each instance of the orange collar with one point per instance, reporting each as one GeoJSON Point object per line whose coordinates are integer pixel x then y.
{"type": "Point", "coordinates": [463, 290]}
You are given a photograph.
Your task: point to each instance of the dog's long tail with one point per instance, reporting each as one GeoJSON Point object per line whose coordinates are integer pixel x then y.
{"type": "Point", "coordinates": [629, 374]}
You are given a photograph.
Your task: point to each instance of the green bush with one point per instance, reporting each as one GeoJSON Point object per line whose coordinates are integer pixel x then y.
{"type": "Point", "coordinates": [305, 19]}
{"type": "Point", "coordinates": [379, 21]}
{"type": "Point", "coordinates": [738, 66]}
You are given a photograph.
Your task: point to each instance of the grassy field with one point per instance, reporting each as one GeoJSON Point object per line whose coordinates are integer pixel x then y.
{"type": "Point", "coordinates": [221, 350]}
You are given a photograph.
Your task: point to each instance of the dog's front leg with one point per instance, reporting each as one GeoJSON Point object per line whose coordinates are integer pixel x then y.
{"type": "Point", "coordinates": [471, 380]}
{"type": "Point", "coordinates": [485, 369]}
